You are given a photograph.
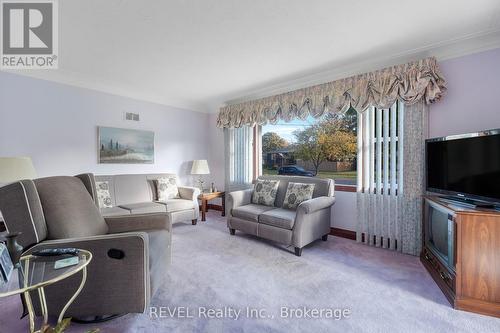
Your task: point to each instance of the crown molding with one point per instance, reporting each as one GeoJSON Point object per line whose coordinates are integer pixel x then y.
{"type": "Point", "coordinates": [458, 47]}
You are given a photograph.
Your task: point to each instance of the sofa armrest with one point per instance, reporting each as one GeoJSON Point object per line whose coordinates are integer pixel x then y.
{"type": "Point", "coordinates": [107, 279]}
{"type": "Point", "coordinates": [312, 221]}
{"type": "Point", "coordinates": [313, 205]}
{"type": "Point", "coordinates": [189, 193]}
{"type": "Point", "coordinates": [239, 198]}
{"type": "Point", "coordinates": [141, 222]}
{"type": "Point", "coordinates": [88, 181]}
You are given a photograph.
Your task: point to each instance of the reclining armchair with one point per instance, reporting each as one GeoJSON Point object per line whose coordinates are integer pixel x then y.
{"type": "Point", "coordinates": [59, 212]}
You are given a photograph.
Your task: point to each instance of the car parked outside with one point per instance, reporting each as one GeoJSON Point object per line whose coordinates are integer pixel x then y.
{"type": "Point", "coordinates": [294, 170]}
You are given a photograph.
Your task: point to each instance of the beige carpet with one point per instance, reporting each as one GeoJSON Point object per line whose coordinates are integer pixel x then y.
{"type": "Point", "coordinates": [381, 291]}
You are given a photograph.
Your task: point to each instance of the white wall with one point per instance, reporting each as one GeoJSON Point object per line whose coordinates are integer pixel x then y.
{"type": "Point", "coordinates": [56, 125]}
{"type": "Point", "coordinates": [344, 211]}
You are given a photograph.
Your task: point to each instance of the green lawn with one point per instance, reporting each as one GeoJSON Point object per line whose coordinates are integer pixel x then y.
{"type": "Point", "coordinates": [350, 176]}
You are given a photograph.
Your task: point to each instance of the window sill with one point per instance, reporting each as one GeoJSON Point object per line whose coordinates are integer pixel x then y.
{"type": "Point", "coordinates": [345, 188]}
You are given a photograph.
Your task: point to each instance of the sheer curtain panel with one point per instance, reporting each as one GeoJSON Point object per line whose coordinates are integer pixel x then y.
{"type": "Point", "coordinates": [239, 157]}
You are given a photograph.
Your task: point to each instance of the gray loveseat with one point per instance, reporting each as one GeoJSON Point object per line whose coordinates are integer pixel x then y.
{"type": "Point", "coordinates": [136, 194]}
{"type": "Point", "coordinates": [131, 254]}
{"type": "Point", "coordinates": [309, 222]}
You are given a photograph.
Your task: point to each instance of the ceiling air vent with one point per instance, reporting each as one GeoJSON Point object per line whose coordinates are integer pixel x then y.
{"type": "Point", "coordinates": [132, 116]}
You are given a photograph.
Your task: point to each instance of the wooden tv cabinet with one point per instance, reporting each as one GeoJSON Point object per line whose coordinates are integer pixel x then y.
{"type": "Point", "coordinates": [475, 284]}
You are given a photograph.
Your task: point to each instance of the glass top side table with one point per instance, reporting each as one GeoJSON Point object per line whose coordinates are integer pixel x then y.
{"type": "Point", "coordinates": [34, 273]}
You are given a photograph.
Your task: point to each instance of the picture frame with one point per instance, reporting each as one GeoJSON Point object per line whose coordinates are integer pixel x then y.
{"type": "Point", "coordinates": [6, 266]}
{"type": "Point", "coordinates": [125, 146]}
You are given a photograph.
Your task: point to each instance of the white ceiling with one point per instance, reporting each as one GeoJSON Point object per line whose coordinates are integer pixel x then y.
{"type": "Point", "coordinates": [201, 54]}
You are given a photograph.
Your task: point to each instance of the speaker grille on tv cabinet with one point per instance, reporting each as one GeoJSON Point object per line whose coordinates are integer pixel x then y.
{"type": "Point", "coordinates": [132, 116]}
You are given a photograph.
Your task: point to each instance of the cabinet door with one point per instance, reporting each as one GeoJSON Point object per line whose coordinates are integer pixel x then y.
{"type": "Point", "coordinates": [479, 257]}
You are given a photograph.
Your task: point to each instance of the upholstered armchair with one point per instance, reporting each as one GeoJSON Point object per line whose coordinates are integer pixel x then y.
{"type": "Point", "coordinates": [131, 254]}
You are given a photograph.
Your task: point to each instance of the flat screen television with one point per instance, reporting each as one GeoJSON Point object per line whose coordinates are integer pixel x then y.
{"type": "Point", "coordinates": [465, 166]}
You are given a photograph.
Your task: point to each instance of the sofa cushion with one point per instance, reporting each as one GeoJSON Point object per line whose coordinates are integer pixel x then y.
{"type": "Point", "coordinates": [279, 217]}
{"type": "Point", "coordinates": [265, 191]}
{"type": "Point", "coordinates": [103, 194]}
{"type": "Point", "coordinates": [130, 189]}
{"type": "Point", "coordinates": [174, 205]}
{"type": "Point", "coordinates": [69, 209]}
{"type": "Point", "coordinates": [250, 212]}
{"type": "Point", "coordinates": [276, 234]}
{"type": "Point", "coordinates": [166, 188]}
{"type": "Point", "coordinates": [296, 193]}
{"type": "Point", "coordinates": [114, 211]}
{"type": "Point", "coordinates": [144, 207]}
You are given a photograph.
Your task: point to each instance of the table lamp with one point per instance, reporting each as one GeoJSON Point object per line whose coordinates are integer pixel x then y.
{"type": "Point", "coordinates": [16, 168]}
{"type": "Point", "coordinates": [200, 167]}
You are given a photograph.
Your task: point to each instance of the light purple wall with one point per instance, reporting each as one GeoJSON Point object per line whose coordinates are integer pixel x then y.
{"type": "Point", "coordinates": [216, 151]}
{"type": "Point", "coordinates": [56, 125]}
{"type": "Point", "coordinates": [471, 103]}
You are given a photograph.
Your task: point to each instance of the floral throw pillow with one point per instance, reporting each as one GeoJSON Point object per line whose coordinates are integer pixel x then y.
{"type": "Point", "coordinates": [265, 192]}
{"type": "Point", "coordinates": [296, 193]}
{"type": "Point", "coordinates": [166, 188]}
{"type": "Point", "coordinates": [103, 194]}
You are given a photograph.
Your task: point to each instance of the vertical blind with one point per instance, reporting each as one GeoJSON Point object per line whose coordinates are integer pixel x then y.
{"type": "Point", "coordinates": [380, 175]}
{"type": "Point", "coordinates": [239, 157]}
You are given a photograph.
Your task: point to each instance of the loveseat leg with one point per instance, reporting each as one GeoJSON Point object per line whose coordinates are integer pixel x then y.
{"type": "Point", "coordinates": [324, 238]}
{"type": "Point", "coordinates": [194, 221]}
{"type": "Point", "coordinates": [232, 231]}
{"type": "Point", "coordinates": [298, 251]}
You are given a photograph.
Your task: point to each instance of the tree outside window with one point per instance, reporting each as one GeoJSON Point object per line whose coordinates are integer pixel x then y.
{"type": "Point", "coordinates": [325, 146]}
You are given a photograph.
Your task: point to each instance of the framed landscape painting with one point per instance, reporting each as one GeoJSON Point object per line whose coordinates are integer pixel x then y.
{"type": "Point", "coordinates": [126, 146]}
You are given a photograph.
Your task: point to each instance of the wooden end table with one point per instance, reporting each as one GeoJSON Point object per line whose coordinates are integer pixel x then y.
{"type": "Point", "coordinates": [205, 197]}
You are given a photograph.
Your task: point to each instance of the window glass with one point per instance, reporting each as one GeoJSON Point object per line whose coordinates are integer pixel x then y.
{"type": "Point", "coordinates": [327, 146]}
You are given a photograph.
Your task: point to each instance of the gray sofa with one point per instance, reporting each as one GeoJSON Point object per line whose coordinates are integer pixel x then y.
{"type": "Point", "coordinates": [309, 222]}
{"type": "Point", "coordinates": [136, 194]}
{"type": "Point", "coordinates": [60, 212]}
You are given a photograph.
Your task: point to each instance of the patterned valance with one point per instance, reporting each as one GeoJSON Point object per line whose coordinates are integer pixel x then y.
{"type": "Point", "coordinates": [410, 83]}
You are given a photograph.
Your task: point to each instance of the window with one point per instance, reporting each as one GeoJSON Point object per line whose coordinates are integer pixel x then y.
{"type": "Point", "coordinates": [325, 147]}
{"type": "Point", "coordinates": [380, 157]}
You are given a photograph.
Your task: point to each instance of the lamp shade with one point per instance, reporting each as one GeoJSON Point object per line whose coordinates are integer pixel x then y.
{"type": "Point", "coordinates": [16, 168]}
{"type": "Point", "coordinates": [200, 167]}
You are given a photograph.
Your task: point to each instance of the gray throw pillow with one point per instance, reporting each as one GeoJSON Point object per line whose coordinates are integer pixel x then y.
{"type": "Point", "coordinates": [297, 193]}
{"type": "Point", "coordinates": [265, 191]}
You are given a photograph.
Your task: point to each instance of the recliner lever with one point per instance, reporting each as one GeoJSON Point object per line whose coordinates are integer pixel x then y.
{"type": "Point", "coordinates": [116, 254]}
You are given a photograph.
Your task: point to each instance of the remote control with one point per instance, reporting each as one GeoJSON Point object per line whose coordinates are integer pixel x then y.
{"type": "Point", "coordinates": [55, 252]}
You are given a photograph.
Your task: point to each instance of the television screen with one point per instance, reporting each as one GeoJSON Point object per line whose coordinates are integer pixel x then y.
{"type": "Point", "coordinates": [469, 166]}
